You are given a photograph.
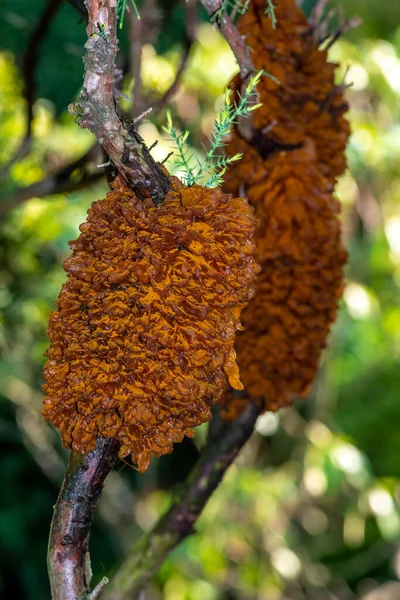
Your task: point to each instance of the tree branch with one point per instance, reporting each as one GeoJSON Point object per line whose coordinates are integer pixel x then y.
{"type": "Point", "coordinates": [61, 181]}
{"type": "Point", "coordinates": [96, 109]}
{"type": "Point", "coordinates": [239, 49]}
{"type": "Point", "coordinates": [149, 553]}
{"type": "Point", "coordinates": [230, 32]}
{"type": "Point", "coordinates": [68, 554]}
{"type": "Point", "coordinates": [79, 5]}
{"type": "Point", "coordinates": [56, 183]}
{"type": "Point", "coordinates": [68, 558]}
{"type": "Point", "coordinates": [190, 36]}
{"type": "Point", "coordinates": [28, 68]}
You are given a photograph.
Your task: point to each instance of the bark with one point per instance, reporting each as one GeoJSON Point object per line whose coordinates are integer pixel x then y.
{"type": "Point", "coordinates": [237, 43]}
{"type": "Point", "coordinates": [68, 553]}
{"type": "Point", "coordinates": [95, 108]}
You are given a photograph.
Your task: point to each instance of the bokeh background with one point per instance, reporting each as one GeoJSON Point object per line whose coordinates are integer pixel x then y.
{"type": "Point", "coordinates": [311, 509]}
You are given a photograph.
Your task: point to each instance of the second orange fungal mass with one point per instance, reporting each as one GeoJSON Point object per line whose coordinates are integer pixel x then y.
{"type": "Point", "coordinates": [287, 322]}
{"type": "Point", "coordinates": [301, 99]}
{"type": "Point", "coordinates": [288, 171]}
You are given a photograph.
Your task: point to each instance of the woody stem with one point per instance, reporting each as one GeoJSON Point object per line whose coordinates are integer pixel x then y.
{"type": "Point", "coordinates": [230, 32]}
{"type": "Point", "coordinates": [148, 554]}
{"type": "Point", "coordinates": [68, 555]}
{"type": "Point", "coordinates": [96, 110]}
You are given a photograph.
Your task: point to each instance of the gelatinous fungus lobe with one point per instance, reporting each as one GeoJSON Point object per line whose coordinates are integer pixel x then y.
{"type": "Point", "coordinates": [298, 93]}
{"type": "Point", "coordinates": [142, 338]}
{"type": "Point", "coordinates": [288, 320]}
{"type": "Point", "coordinates": [291, 161]}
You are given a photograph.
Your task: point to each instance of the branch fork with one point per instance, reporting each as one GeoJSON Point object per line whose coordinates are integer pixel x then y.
{"type": "Point", "coordinates": [95, 108]}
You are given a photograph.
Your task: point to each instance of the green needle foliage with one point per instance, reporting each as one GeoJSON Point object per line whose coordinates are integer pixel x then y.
{"type": "Point", "coordinates": [181, 158]}
{"type": "Point", "coordinates": [227, 6]}
{"type": "Point", "coordinates": [270, 11]}
{"type": "Point", "coordinates": [210, 172]}
{"type": "Point", "coordinates": [121, 8]}
{"type": "Point", "coordinates": [239, 7]}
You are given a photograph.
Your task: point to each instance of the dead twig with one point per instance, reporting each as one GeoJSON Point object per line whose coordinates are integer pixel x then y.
{"type": "Point", "coordinates": [28, 69]}
{"type": "Point", "coordinates": [60, 182]}
{"type": "Point", "coordinates": [320, 24]}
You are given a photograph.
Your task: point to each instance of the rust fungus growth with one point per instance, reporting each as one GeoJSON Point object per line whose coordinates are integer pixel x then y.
{"type": "Point", "coordinates": [287, 322]}
{"type": "Point", "coordinates": [293, 154]}
{"type": "Point", "coordinates": [298, 93]}
{"type": "Point", "coordinates": [142, 339]}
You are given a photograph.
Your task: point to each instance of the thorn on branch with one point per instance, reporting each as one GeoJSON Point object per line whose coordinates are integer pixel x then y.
{"type": "Point", "coordinates": [167, 157]}
{"type": "Point", "coordinates": [142, 116]}
{"type": "Point", "coordinates": [153, 145]}
{"type": "Point", "coordinates": [94, 594]}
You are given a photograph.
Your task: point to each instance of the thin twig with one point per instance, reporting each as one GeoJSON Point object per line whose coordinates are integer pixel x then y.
{"type": "Point", "coordinates": [60, 182]}
{"type": "Point", "coordinates": [190, 34]}
{"type": "Point", "coordinates": [28, 69]}
{"type": "Point", "coordinates": [317, 12]}
{"type": "Point", "coordinates": [98, 589]}
{"type": "Point", "coordinates": [79, 5]}
{"type": "Point", "coordinates": [135, 46]}
{"type": "Point", "coordinates": [149, 553]}
{"type": "Point", "coordinates": [320, 23]}
{"type": "Point", "coordinates": [230, 32]}
{"type": "Point", "coordinates": [68, 554]}
{"type": "Point", "coordinates": [352, 23]}
{"type": "Point", "coordinates": [145, 31]}
{"type": "Point", "coordinates": [96, 108]}
{"type": "Point", "coordinates": [239, 48]}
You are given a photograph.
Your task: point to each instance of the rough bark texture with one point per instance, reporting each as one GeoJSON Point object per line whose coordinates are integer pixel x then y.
{"type": "Point", "coordinates": [95, 109]}
{"type": "Point", "coordinates": [68, 554]}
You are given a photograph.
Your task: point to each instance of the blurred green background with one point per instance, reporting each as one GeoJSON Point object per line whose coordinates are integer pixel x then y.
{"type": "Point", "coordinates": [311, 510]}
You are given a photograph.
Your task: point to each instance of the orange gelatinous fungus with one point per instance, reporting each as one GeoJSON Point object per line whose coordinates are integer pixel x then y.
{"type": "Point", "coordinates": [142, 339]}
{"type": "Point", "coordinates": [287, 322]}
{"type": "Point", "coordinates": [301, 99]}
{"type": "Point", "coordinates": [291, 160]}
